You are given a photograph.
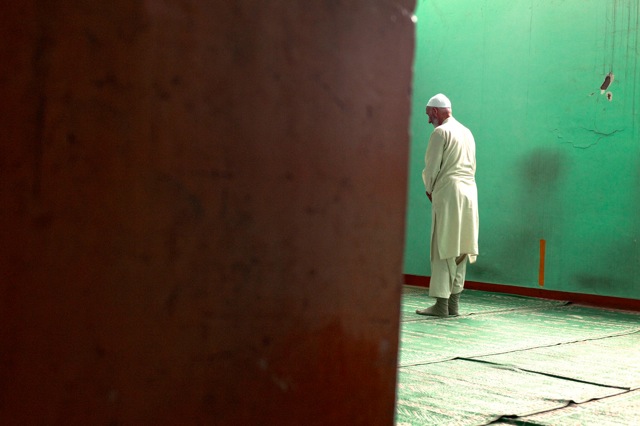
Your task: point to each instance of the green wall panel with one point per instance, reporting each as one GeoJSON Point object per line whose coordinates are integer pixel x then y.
{"type": "Point", "coordinates": [557, 160]}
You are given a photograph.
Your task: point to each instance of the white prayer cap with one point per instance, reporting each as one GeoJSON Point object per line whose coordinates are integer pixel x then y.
{"type": "Point", "coordinates": [439, 101]}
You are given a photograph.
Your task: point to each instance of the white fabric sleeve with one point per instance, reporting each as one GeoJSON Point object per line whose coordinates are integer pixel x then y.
{"type": "Point", "coordinates": [433, 160]}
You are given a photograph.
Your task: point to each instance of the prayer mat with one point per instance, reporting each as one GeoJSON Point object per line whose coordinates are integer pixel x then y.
{"type": "Point", "coordinates": [618, 410]}
{"type": "Point", "coordinates": [481, 335]}
{"type": "Point", "coordinates": [460, 392]}
{"type": "Point", "coordinates": [611, 361]}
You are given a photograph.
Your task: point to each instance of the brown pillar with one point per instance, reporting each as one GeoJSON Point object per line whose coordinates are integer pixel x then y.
{"type": "Point", "coordinates": [202, 209]}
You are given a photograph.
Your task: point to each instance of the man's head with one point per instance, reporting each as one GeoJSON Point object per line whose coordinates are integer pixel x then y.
{"type": "Point", "coordinates": [438, 109]}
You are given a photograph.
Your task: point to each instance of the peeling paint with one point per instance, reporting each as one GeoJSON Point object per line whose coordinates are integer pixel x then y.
{"type": "Point", "coordinates": [607, 82]}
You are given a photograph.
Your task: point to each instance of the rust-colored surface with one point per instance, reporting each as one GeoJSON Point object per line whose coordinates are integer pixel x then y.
{"type": "Point", "coordinates": [202, 209]}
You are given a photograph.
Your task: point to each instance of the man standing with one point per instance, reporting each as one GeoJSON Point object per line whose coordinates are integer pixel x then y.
{"type": "Point", "coordinates": [449, 179]}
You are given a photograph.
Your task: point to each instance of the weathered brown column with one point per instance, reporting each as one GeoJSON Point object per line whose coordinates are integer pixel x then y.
{"type": "Point", "coordinates": [202, 209]}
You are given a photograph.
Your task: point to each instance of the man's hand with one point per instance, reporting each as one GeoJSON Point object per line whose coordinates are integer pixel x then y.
{"type": "Point", "coordinates": [429, 195]}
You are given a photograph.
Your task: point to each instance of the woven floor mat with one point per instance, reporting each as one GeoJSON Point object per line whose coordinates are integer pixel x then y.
{"type": "Point", "coordinates": [463, 393]}
{"type": "Point", "coordinates": [474, 336]}
{"type": "Point", "coordinates": [618, 410]}
{"type": "Point", "coordinates": [612, 361]}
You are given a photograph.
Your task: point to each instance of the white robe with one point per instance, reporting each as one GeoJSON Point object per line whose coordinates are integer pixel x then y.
{"type": "Point", "coordinates": [449, 176]}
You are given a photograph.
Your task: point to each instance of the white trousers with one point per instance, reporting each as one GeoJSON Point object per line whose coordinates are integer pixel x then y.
{"type": "Point", "coordinates": [447, 275]}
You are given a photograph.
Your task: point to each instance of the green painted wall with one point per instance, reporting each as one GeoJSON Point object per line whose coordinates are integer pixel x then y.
{"type": "Point", "coordinates": [556, 159]}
